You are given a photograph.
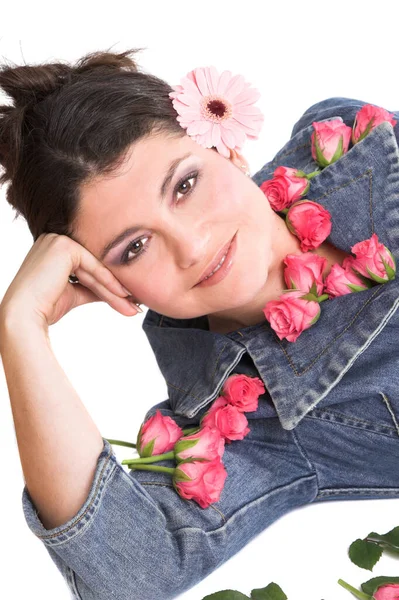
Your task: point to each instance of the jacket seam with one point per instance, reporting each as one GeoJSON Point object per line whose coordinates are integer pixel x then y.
{"type": "Point", "coordinates": [289, 360]}
{"type": "Point", "coordinates": [349, 418]}
{"type": "Point", "coordinates": [356, 491]}
{"type": "Point", "coordinates": [372, 429]}
{"type": "Point", "coordinates": [390, 410]}
{"type": "Point", "coordinates": [306, 457]}
{"type": "Point", "coordinates": [72, 576]}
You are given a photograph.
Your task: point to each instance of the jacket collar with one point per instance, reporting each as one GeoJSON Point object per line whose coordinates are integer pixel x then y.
{"type": "Point", "coordinates": [361, 191]}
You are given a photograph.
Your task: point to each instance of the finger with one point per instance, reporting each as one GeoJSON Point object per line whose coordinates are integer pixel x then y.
{"type": "Point", "coordinates": [87, 280]}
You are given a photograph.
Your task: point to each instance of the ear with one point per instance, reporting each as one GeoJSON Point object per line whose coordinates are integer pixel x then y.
{"type": "Point", "coordinates": [239, 160]}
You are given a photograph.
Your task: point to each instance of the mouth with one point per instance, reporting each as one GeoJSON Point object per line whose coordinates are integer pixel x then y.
{"type": "Point", "coordinates": [220, 265]}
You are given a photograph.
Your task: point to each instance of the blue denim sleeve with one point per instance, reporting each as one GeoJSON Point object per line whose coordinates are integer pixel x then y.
{"type": "Point", "coordinates": [119, 534]}
{"type": "Point", "coordinates": [136, 538]}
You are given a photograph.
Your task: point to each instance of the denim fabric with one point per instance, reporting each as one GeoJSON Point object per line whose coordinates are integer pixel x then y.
{"type": "Point", "coordinates": [327, 427]}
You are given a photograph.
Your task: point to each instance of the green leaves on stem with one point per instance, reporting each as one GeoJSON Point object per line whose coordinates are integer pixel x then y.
{"type": "Point", "coordinates": [365, 553]}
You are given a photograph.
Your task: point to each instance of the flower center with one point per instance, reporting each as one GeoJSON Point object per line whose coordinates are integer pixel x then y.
{"type": "Point", "coordinates": [215, 108]}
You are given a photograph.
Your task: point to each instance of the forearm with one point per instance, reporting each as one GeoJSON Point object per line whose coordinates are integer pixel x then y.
{"type": "Point", "coordinates": [58, 442]}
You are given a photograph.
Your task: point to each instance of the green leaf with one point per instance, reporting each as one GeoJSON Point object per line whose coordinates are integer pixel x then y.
{"type": "Point", "coordinates": [364, 554]}
{"type": "Point", "coordinates": [389, 540]}
{"type": "Point", "coordinates": [180, 475]}
{"type": "Point", "coordinates": [375, 277]}
{"type": "Point", "coordinates": [389, 270]}
{"type": "Point", "coordinates": [226, 595]}
{"type": "Point", "coordinates": [355, 288]}
{"type": "Point", "coordinates": [339, 151]}
{"type": "Point", "coordinates": [270, 592]}
{"type": "Point", "coordinates": [322, 162]}
{"type": "Point", "coordinates": [372, 585]}
{"type": "Point", "coordinates": [148, 449]}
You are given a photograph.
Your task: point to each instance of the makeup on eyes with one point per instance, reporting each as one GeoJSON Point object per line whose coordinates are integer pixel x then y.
{"type": "Point", "coordinates": [191, 174]}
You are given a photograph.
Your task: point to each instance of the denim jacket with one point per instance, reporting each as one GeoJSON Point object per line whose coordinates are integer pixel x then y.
{"type": "Point", "coordinates": [342, 372]}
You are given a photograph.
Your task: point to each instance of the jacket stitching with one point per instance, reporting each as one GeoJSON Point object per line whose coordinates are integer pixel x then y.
{"type": "Point", "coordinates": [305, 456]}
{"type": "Point", "coordinates": [322, 411]}
{"type": "Point", "coordinates": [367, 172]}
{"type": "Point", "coordinates": [289, 360]}
{"type": "Point", "coordinates": [390, 409]}
{"type": "Point", "coordinates": [353, 491]}
{"type": "Point", "coordinates": [99, 482]}
{"type": "Point", "coordinates": [171, 486]}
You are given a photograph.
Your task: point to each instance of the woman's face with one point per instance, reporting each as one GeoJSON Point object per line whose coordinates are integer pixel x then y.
{"type": "Point", "coordinates": [179, 233]}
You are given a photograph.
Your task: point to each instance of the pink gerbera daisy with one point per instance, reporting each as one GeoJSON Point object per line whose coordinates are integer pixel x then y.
{"type": "Point", "coordinates": [217, 109]}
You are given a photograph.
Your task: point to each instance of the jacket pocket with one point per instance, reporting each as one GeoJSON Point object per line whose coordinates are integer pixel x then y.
{"type": "Point", "coordinates": [377, 413]}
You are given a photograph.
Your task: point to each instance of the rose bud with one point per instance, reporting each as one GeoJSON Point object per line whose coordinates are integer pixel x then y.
{"type": "Point", "coordinates": [285, 187]}
{"type": "Point", "coordinates": [291, 314]}
{"type": "Point", "coordinates": [388, 591]}
{"type": "Point", "coordinates": [373, 260]}
{"type": "Point", "coordinates": [231, 423]}
{"type": "Point", "coordinates": [342, 281]}
{"type": "Point", "coordinates": [157, 435]}
{"type": "Point", "coordinates": [367, 118]}
{"type": "Point", "coordinates": [304, 270]}
{"type": "Point", "coordinates": [310, 222]}
{"type": "Point", "coordinates": [200, 481]}
{"type": "Point", "coordinates": [243, 392]}
{"type": "Point", "coordinates": [207, 443]}
{"type": "Point", "coordinates": [329, 141]}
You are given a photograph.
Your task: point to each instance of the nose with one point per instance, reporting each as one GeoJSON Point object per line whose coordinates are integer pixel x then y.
{"type": "Point", "coordinates": [190, 246]}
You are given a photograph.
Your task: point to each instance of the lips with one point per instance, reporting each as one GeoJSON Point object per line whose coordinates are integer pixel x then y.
{"type": "Point", "coordinates": [215, 261]}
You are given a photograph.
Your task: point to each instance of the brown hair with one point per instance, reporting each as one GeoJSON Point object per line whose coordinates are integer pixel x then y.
{"type": "Point", "coordinates": [71, 123]}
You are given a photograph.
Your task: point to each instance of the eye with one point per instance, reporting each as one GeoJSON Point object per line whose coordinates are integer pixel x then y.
{"type": "Point", "coordinates": [183, 181]}
{"type": "Point", "coordinates": [135, 245]}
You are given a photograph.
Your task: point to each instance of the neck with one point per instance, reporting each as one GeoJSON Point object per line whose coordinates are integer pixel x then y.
{"type": "Point", "coordinates": [284, 243]}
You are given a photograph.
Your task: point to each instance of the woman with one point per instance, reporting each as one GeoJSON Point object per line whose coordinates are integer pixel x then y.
{"type": "Point", "coordinates": [326, 427]}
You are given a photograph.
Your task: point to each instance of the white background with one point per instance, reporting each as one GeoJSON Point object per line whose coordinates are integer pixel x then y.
{"type": "Point", "coordinates": [295, 54]}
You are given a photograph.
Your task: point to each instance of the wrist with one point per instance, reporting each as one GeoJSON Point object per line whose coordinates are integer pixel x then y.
{"type": "Point", "coordinates": [15, 325]}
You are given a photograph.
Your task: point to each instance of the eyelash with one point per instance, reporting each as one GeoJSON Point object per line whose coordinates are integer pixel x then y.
{"type": "Point", "coordinates": [194, 174]}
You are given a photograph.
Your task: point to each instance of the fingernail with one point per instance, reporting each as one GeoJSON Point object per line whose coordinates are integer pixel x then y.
{"type": "Point", "coordinates": [138, 308]}
{"type": "Point", "coordinates": [127, 291]}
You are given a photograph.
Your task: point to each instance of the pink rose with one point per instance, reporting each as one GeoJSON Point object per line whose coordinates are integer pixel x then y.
{"type": "Point", "coordinates": [157, 435]}
{"type": "Point", "coordinates": [373, 260]}
{"type": "Point", "coordinates": [330, 140]}
{"type": "Point", "coordinates": [310, 222]}
{"type": "Point", "coordinates": [389, 591]}
{"type": "Point", "coordinates": [367, 118]}
{"type": "Point", "coordinates": [205, 481]}
{"type": "Point", "coordinates": [284, 188]}
{"type": "Point", "coordinates": [231, 423]}
{"type": "Point", "coordinates": [291, 314]}
{"type": "Point", "coordinates": [303, 270]}
{"type": "Point", "coordinates": [207, 443]}
{"type": "Point", "coordinates": [342, 281]}
{"type": "Point", "coordinates": [242, 392]}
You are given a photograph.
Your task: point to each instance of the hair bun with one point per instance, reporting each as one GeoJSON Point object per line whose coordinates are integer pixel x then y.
{"type": "Point", "coordinates": [29, 84]}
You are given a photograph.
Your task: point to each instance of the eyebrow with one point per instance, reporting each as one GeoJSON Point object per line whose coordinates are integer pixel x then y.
{"type": "Point", "coordinates": [163, 189]}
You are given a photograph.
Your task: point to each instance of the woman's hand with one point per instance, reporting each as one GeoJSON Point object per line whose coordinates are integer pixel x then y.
{"type": "Point", "coordinates": [41, 290]}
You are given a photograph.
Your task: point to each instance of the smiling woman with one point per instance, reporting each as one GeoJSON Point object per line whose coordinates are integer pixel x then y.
{"type": "Point", "coordinates": [119, 190]}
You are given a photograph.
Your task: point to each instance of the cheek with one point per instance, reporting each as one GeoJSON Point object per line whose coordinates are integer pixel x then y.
{"type": "Point", "coordinates": [156, 288]}
{"type": "Point", "coordinates": [228, 196]}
